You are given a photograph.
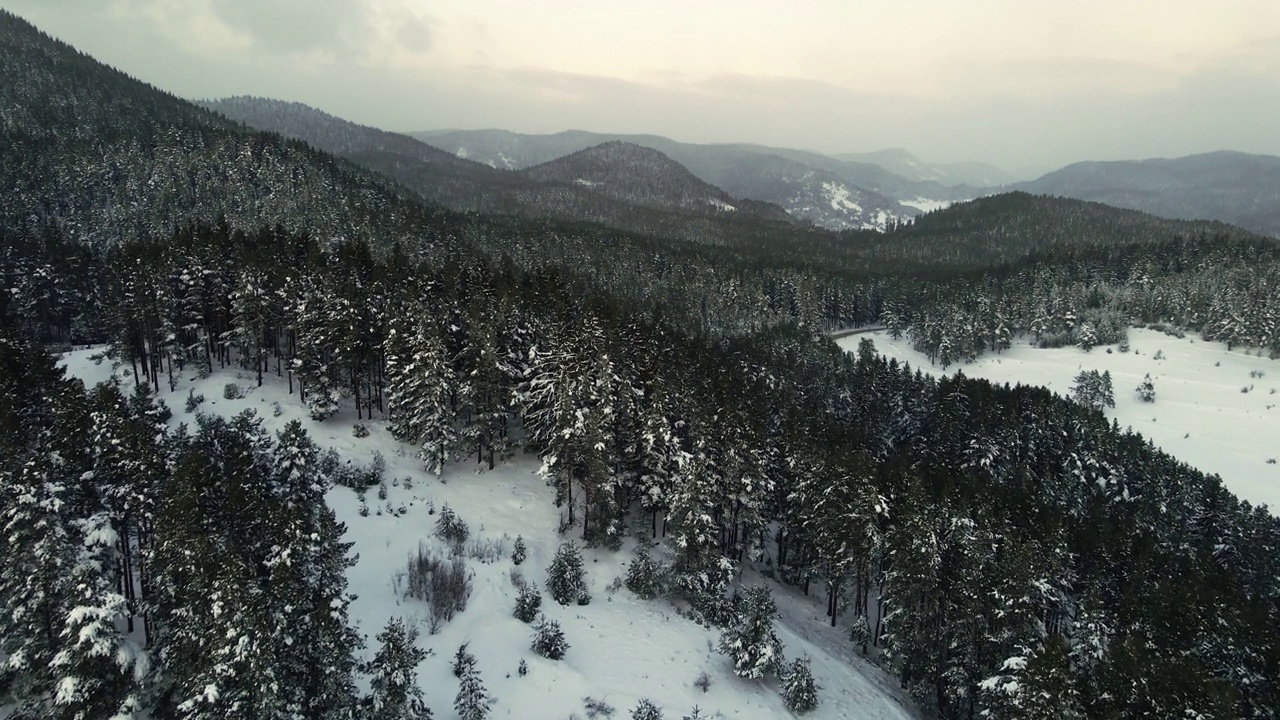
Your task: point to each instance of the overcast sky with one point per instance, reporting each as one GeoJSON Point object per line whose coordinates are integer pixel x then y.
{"type": "Point", "coordinates": [1021, 83]}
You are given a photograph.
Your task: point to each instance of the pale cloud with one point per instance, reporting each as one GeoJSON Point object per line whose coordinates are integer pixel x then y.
{"type": "Point", "coordinates": [1017, 82]}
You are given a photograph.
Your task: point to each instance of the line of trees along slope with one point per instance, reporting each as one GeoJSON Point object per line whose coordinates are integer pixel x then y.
{"type": "Point", "coordinates": [1014, 554]}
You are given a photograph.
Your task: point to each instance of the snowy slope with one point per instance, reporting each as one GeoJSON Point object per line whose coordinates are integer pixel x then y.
{"type": "Point", "coordinates": [1200, 415]}
{"type": "Point", "coordinates": [622, 648]}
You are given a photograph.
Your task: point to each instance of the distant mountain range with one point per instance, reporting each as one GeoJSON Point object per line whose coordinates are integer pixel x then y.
{"type": "Point", "coordinates": [901, 162]}
{"type": "Point", "coordinates": [621, 180]}
{"type": "Point", "coordinates": [827, 191]}
{"type": "Point", "coordinates": [617, 184]}
{"type": "Point", "coordinates": [1233, 187]}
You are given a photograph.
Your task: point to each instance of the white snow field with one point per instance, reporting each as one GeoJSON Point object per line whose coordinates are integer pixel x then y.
{"type": "Point", "coordinates": [621, 648]}
{"type": "Point", "coordinates": [1200, 414]}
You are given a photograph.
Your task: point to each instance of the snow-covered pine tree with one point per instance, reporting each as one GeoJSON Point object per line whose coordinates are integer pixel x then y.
{"type": "Point", "coordinates": [308, 583]}
{"type": "Point", "coordinates": [646, 710]}
{"type": "Point", "coordinates": [250, 316]}
{"type": "Point", "coordinates": [568, 408]}
{"type": "Point", "coordinates": [1086, 336]}
{"type": "Point", "coordinates": [472, 701]}
{"type": "Point", "coordinates": [660, 457]}
{"type": "Point", "coordinates": [750, 640]}
{"type": "Point", "coordinates": [314, 359]}
{"type": "Point", "coordinates": [1107, 389]}
{"type": "Point", "coordinates": [528, 603]}
{"type": "Point", "coordinates": [701, 572]}
{"type": "Point", "coordinates": [484, 388]}
{"type": "Point", "coordinates": [420, 390]}
{"type": "Point", "coordinates": [860, 632]}
{"type": "Point", "coordinates": [1036, 684]}
{"type": "Point", "coordinates": [98, 672]}
{"type": "Point", "coordinates": [799, 690]}
{"type": "Point", "coordinates": [393, 690]}
{"type": "Point", "coordinates": [549, 640]}
{"type": "Point", "coordinates": [518, 551]}
{"type": "Point", "coordinates": [644, 576]}
{"type": "Point", "coordinates": [462, 660]}
{"type": "Point", "coordinates": [566, 578]}
{"type": "Point", "coordinates": [1146, 389]}
{"type": "Point", "coordinates": [35, 577]}
{"type": "Point", "coordinates": [451, 528]}
{"type": "Point", "coordinates": [1094, 389]}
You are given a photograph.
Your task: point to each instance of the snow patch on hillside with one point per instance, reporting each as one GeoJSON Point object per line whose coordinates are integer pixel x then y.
{"type": "Point", "coordinates": [839, 196]}
{"type": "Point", "coordinates": [721, 205]}
{"type": "Point", "coordinates": [1209, 411]}
{"type": "Point", "coordinates": [925, 204]}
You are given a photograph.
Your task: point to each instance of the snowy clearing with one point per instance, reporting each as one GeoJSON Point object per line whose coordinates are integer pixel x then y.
{"type": "Point", "coordinates": [621, 648]}
{"type": "Point", "coordinates": [925, 204]}
{"type": "Point", "coordinates": [1212, 409]}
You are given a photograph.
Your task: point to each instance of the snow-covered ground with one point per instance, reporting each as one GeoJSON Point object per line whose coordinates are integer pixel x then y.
{"type": "Point", "coordinates": [1200, 415]}
{"type": "Point", "coordinates": [621, 648]}
{"type": "Point", "coordinates": [925, 204]}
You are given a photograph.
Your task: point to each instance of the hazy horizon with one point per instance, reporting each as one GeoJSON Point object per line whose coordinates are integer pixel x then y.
{"type": "Point", "coordinates": [1016, 84]}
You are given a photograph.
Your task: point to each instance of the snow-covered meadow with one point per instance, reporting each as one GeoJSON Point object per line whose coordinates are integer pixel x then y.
{"type": "Point", "coordinates": [622, 648]}
{"type": "Point", "coordinates": [1216, 409]}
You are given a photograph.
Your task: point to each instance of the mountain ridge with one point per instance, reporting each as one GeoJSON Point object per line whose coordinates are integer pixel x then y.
{"type": "Point", "coordinates": [828, 192]}
{"type": "Point", "coordinates": [1231, 186]}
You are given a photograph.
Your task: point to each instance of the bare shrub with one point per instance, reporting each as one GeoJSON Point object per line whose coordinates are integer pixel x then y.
{"type": "Point", "coordinates": [487, 551]}
{"type": "Point", "coordinates": [597, 708]}
{"type": "Point", "coordinates": [444, 583]}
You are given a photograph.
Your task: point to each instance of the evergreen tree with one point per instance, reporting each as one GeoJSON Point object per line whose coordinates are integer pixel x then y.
{"type": "Point", "coordinates": [799, 691]}
{"type": "Point", "coordinates": [549, 640]}
{"type": "Point", "coordinates": [646, 710]}
{"type": "Point", "coordinates": [99, 671]}
{"type": "Point", "coordinates": [451, 528]}
{"type": "Point", "coordinates": [528, 603]}
{"type": "Point", "coordinates": [566, 578]}
{"type": "Point", "coordinates": [1036, 685]}
{"type": "Point", "coordinates": [644, 577]}
{"type": "Point", "coordinates": [518, 551]}
{"type": "Point", "coordinates": [1086, 336]}
{"type": "Point", "coordinates": [1093, 389]}
{"type": "Point", "coordinates": [1146, 389]}
{"type": "Point", "coordinates": [472, 701]}
{"type": "Point", "coordinates": [420, 390]}
{"type": "Point", "coordinates": [749, 640]}
{"type": "Point", "coordinates": [308, 582]}
{"type": "Point", "coordinates": [394, 692]}
{"type": "Point", "coordinates": [36, 590]}
{"type": "Point", "coordinates": [462, 660]}
{"type": "Point", "coordinates": [860, 632]}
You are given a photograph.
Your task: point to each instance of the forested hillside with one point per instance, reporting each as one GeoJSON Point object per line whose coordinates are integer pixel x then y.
{"type": "Point", "coordinates": [1004, 552]}
{"type": "Point", "coordinates": [635, 199]}
{"type": "Point", "coordinates": [1233, 187]}
{"type": "Point", "coordinates": [105, 157]}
